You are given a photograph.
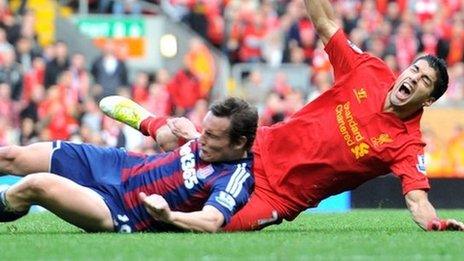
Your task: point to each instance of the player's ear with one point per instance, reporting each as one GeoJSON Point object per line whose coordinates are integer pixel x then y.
{"type": "Point", "coordinates": [429, 101]}
{"type": "Point", "coordinates": [241, 142]}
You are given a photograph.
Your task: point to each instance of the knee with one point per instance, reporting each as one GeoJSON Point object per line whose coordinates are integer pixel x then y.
{"type": "Point", "coordinates": [10, 152]}
{"type": "Point", "coordinates": [8, 155]}
{"type": "Point", "coordinates": [34, 186]}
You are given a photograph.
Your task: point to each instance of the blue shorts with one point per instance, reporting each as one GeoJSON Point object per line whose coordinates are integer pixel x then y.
{"type": "Point", "coordinates": [99, 169]}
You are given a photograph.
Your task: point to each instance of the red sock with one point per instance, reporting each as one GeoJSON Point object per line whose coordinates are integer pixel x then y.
{"type": "Point", "coordinates": [150, 125]}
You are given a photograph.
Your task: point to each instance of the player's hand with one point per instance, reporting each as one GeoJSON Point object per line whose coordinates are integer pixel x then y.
{"type": "Point", "coordinates": [183, 128]}
{"type": "Point", "coordinates": [156, 206]}
{"type": "Point", "coordinates": [445, 224]}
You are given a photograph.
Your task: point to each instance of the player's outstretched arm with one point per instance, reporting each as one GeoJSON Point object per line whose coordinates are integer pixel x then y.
{"type": "Point", "coordinates": [209, 219]}
{"type": "Point", "coordinates": [323, 17]}
{"type": "Point", "coordinates": [424, 213]}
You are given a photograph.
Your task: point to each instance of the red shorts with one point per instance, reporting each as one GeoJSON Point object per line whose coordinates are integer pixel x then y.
{"type": "Point", "coordinates": [264, 207]}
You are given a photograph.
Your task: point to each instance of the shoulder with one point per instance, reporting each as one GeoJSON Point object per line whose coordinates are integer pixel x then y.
{"type": "Point", "coordinates": [233, 174]}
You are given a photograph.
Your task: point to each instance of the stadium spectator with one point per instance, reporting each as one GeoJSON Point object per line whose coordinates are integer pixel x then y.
{"type": "Point", "coordinates": [425, 9]}
{"type": "Point", "coordinates": [7, 108]}
{"type": "Point", "coordinates": [11, 73]}
{"type": "Point", "coordinates": [127, 6]}
{"type": "Point", "coordinates": [184, 90]}
{"type": "Point", "coordinates": [196, 17]}
{"type": "Point", "coordinates": [301, 34]}
{"type": "Point", "coordinates": [272, 49]}
{"type": "Point", "coordinates": [19, 26]}
{"type": "Point", "coordinates": [28, 133]}
{"type": "Point", "coordinates": [406, 45]}
{"type": "Point", "coordinates": [4, 44]}
{"type": "Point", "coordinates": [25, 53]}
{"type": "Point", "coordinates": [251, 39]}
{"type": "Point", "coordinates": [80, 77]}
{"type": "Point", "coordinates": [33, 78]}
{"type": "Point", "coordinates": [8, 135]}
{"type": "Point", "coordinates": [57, 118]}
{"type": "Point", "coordinates": [274, 110]}
{"type": "Point", "coordinates": [200, 62]}
{"type": "Point", "coordinates": [109, 72]}
{"type": "Point", "coordinates": [139, 89]}
{"type": "Point", "coordinates": [30, 108]}
{"type": "Point", "coordinates": [92, 117]}
{"type": "Point", "coordinates": [159, 101]}
{"type": "Point", "coordinates": [58, 64]}
{"type": "Point", "coordinates": [254, 89]}
{"type": "Point", "coordinates": [196, 188]}
{"type": "Point", "coordinates": [49, 52]}
{"type": "Point", "coordinates": [198, 113]}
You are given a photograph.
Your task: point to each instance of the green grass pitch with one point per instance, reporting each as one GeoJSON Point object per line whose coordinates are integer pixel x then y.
{"type": "Point", "coordinates": [357, 235]}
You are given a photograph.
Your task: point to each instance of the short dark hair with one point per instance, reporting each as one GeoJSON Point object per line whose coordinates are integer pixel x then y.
{"type": "Point", "coordinates": [439, 65]}
{"type": "Point", "coordinates": [243, 119]}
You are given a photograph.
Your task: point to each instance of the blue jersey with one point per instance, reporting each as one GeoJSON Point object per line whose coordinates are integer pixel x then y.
{"type": "Point", "coordinates": [181, 177]}
{"type": "Point", "coordinates": [186, 182]}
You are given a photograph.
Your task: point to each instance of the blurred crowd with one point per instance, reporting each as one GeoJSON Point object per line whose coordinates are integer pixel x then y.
{"type": "Point", "coordinates": [279, 31]}
{"type": "Point", "coordinates": [47, 93]}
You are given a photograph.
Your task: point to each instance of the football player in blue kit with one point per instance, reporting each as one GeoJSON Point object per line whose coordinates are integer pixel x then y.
{"type": "Point", "coordinates": [196, 187]}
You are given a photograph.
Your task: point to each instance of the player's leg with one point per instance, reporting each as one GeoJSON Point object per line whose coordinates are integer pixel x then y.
{"type": "Point", "coordinates": [131, 113]}
{"type": "Point", "coordinates": [255, 215]}
{"type": "Point", "coordinates": [124, 110]}
{"type": "Point", "coordinates": [74, 203]}
{"type": "Point", "coordinates": [22, 160]}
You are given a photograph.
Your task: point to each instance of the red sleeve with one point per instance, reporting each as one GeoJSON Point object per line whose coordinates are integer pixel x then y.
{"type": "Point", "coordinates": [410, 168]}
{"type": "Point", "coordinates": [343, 54]}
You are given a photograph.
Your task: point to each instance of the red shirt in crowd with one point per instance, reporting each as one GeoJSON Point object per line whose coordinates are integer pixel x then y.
{"type": "Point", "coordinates": [252, 38]}
{"type": "Point", "coordinates": [33, 80]}
{"type": "Point", "coordinates": [184, 89]}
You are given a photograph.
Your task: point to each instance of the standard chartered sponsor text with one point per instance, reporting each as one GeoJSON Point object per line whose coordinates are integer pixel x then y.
{"type": "Point", "coordinates": [344, 120]}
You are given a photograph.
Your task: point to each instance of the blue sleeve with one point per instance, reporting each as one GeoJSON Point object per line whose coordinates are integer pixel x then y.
{"type": "Point", "coordinates": [230, 192]}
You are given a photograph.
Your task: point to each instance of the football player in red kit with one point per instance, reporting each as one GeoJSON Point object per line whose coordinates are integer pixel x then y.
{"type": "Point", "coordinates": [367, 125]}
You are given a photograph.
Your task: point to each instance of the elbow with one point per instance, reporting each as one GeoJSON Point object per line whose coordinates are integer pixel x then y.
{"type": "Point", "coordinates": [214, 227]}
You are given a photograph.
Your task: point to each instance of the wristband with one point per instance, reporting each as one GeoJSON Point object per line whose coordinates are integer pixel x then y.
{"type": "Point", "coordinates": [437, 224]}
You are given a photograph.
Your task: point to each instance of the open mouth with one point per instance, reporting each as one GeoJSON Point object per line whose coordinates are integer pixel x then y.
{"type": "Point", "coordinates": [404, 91]}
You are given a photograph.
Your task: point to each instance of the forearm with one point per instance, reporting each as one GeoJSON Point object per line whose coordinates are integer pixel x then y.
{"type": "Point", "coordinates": [323, 17]}
{"type": "Point", "coordinates": [195, 221]}
{"type": "Point", "coordinates": [421, 209]}
{"type": "Point", "coordinates": [209, 219]}
{"type": "Point", "coordinates": [319, 11]}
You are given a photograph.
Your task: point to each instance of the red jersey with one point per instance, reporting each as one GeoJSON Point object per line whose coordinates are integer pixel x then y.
{"type": "Point", "coordinates": [343, 138]}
